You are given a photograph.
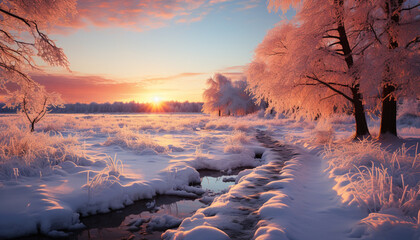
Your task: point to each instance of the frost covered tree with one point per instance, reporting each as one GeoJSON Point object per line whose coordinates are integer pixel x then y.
{"type": "Point", "coordinates": [33, 103]}
{"type": "Point", "coordinates": [332, 53]}
{"type": "Point", "coordinates": [224, 97]}
{"type": "Point", "coordinates": [309, 66]}
{"type": "Point", "coordinates": [21, 38]}
{"type": "Point", "coordinates": [392, 59]}
{"type": "Point", "coordinates": [22, 42]}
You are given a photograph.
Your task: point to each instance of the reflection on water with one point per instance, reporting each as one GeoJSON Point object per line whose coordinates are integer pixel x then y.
{"type": "Point", "coordinates": [213, 180]}
{"type": "Point", "coordinates": [115, 225]}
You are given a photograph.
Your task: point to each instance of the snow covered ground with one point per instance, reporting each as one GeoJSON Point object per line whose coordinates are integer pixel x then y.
{"type": "Point", "coordinates": [310, 182]}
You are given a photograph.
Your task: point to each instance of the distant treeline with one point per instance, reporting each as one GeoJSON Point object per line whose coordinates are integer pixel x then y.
{"type": "Point", "coordinates": [121, 107]}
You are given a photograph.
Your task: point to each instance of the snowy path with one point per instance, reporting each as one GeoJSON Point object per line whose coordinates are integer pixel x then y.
{"type": "Point", "coordinates": [315, 208]}
{"type": "Point", "coordinates": [236, 212]}
{"type": "Point", "coordinates": [289, 197]}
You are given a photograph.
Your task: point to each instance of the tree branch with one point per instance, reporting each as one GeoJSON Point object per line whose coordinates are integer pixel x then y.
{"type": "Point", "coordinates": [27, 22]}
{"type": "Point", "coordinates": [25, 110]}
{"type": "Point", "coordinates": [13, 69]}
{"type": "Point", "coordinates": [330, 87]}
{"type": "Point", "coordinates": [42, 113]}
{"type": "Point", "coordinates": [330, 36]}
{"type": "Point", "coordinates": [414, 41]}
{"type": "Point", "coordinates": [325, 98]}
{"type": "Point", "coordinates": [409, 8]}
{"type": "Point", "coordinates": [335, 43]}
{"type": "Point", "coordinates": [374, 33]}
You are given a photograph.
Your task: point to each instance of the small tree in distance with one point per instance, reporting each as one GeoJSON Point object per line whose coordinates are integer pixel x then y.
{"type": "Point", "coordinates": [224, 97]}
{"type": "Point", "coordinates": [34, 103]}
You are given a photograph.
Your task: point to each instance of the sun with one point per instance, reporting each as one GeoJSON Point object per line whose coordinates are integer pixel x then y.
{"type": "Point", "coordinates": [156, 104]}
{"type": "Point", "coordinates": [156, 100]}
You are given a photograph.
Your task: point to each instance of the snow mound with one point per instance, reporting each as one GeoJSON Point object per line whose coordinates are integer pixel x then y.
{"type": "Point", "coordinates": [164, 222]}
{"type": "Point", "coordinates": [200, 232]}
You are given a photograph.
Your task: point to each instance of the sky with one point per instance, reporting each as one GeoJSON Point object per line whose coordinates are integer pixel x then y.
{"type": "Point", "coordinates": [122, 50]}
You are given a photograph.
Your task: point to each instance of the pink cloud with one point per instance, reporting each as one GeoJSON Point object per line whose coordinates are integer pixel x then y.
{"type": "Point", "coordinates": [136, 15]}
{"type": "Point", "coordinates": [141, 15]}
{"type": "Point", "coordinates": [219, 1]}
{"type": "Point", "coordinates": [248, 6]}
{"type": "Point", "coordinates": [86, 89]}
{"type": "Point", "coordinates": [170, 78]}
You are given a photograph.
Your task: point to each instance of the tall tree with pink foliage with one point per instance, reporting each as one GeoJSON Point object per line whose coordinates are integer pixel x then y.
{"type": "Point", "coordinates": [323, 62]}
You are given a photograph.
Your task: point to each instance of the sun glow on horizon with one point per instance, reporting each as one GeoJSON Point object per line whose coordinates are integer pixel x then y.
{"type": "Point", "coordinates": [157, 105]}
{"type": "Point", "coordinates": [156, 100]}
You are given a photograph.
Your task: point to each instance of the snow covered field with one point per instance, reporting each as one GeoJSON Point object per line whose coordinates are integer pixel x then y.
{"type": "Point", "coordinates": [310, 182]}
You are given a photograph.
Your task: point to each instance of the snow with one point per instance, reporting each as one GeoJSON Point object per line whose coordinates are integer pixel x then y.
{"type": "Point", "coordinates": [113, 161]}
{"type": "Point", "coordinates": [163, 222]}
{"type": "Point", "coordinates": [297, 186]}
{"type": "Point", "coordinates": [304, 202]}
{"type": "Point", "coordinates": [284, 210]}
{"type": "Point", "coordinates": [200, 232]}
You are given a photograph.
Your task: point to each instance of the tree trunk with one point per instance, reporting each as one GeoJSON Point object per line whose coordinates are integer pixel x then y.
{"type": "Point", "coordinates": [219, 113]}
{"type": "Point", "coordinates": [362, 130]}
{"type": "Point", "coordinates": [389, 112]}
{"type": "Point", "coordinates": [389, 103]}
{"type": "Point", "coordinates": [32, 126]}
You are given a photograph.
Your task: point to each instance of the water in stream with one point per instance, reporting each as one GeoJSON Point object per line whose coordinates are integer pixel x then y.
{"type": "Point", "coordinates": [115, 225]}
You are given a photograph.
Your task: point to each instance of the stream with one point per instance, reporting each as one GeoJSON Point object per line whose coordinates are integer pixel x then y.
{"type": "Point", "coordinates": [116, 224]}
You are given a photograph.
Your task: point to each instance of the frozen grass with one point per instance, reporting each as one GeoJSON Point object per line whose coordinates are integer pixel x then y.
{"type": "Point", "coordinates": [246, 123]}
{"type": "Point", "coordinates": [109, 124]}
{"type": "Point", "coordinates": [114, 166]}
{"type": "Point", "coordinates": [129, 139]}
{"type": "Point", "coordinates": [375, 178]}
{"type": "Point", "coordinates": [234, 143]}
{"type": "Point", "coordinates": [35, 154]}
{"type": "Point", "coordinates": [108, 176]}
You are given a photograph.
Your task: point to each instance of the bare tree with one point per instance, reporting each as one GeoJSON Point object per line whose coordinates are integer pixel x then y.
{"type": "Point", "coordinates": [37, 116]}
{"type": "Point", "coordinates": [34, 103]}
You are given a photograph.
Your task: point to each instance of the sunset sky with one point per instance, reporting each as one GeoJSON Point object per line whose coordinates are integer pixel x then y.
{"type": "Point", "coordinates": [138, 50]}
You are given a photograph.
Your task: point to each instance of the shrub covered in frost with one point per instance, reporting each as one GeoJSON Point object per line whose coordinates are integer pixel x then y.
{"type": "Point", "coordinates": [377, 178]}
{"type": "Point", "coordinates": [35, 154]}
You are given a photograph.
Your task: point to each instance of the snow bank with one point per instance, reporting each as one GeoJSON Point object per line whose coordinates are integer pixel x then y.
{"type": "Point", "coordinates": [298, 203]}
{"type": "Point", "coordinates": [199, 232]}
{"type": "Point", "coordinates": [43, 206]}
{"type": "Point", "coordinates": [56, 177]}
{"type": "Point", "coordinates": [239, 150]}
{"type": "Point", "coordinates": [385, 183]}
{"type": "Point", "coordinates": [232, 211]}
{"type": "Point", "coordinates": [164, 222]}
